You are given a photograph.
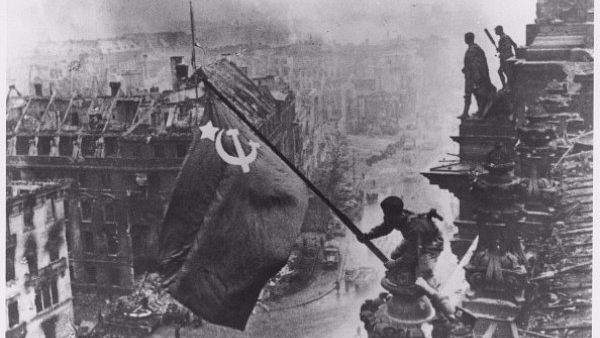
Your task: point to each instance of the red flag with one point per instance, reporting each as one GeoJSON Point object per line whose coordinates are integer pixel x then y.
{"type": "Point", "coordinates": [235, 212]}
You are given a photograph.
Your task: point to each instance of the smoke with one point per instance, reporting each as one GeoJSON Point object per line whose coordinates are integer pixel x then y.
{"type": "Point", "coordinates": [342, 20]}
{"type": "Point", "coordinates": [357, 20]}
{"type": "Point", "coordinates": [32, 21]}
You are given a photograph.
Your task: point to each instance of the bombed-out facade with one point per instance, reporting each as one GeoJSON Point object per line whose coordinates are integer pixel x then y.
{"type": "Point", "coordinates": [38, 276]}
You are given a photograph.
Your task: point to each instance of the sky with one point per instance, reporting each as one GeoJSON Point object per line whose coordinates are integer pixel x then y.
{"type": "Point", "coordinates": [30, 21]}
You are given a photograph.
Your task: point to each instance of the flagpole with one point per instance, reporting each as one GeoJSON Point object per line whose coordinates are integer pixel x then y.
{"type": "Point", "coordinates": [193, 50]}
{"type": "Point", "coordinates": [340, 215]}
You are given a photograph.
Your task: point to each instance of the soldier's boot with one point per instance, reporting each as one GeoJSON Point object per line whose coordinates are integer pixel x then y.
{"type": "Point", "coordinates": [439, 302]}
{"type": "Point", "coordinates": [465, 113]}
{"type": "Point", "coordinates": [502, 77]}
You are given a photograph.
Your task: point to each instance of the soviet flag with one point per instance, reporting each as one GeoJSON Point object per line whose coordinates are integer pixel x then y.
{"type": "Point", "coordinates": [236, 208]}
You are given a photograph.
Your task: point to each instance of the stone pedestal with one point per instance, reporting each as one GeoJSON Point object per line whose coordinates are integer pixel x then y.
{"type": "Point", "coordinates": [407, 313]}
{"type": "Point", "coordinates": [403, 315]}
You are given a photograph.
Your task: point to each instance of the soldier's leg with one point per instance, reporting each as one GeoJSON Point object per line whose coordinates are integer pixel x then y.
{"type": "Point", "coordinates": [468, 92]}
{"type": "Point", "coordinates": [467, 106]}
{"type": "Point", "coordinates": [501, 72]}
{"type": "Point", "coordinates": [509, 70]}
{"type": "Point", "coordinates": [425, 265]}
{"type": "Point", "coordinates": [490, 96]}
{"type": "Point", "coordinates": [481, 100]}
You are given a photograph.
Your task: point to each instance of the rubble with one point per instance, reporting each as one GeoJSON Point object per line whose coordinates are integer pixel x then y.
{"type": "Point", "coordinates": [148, 293]}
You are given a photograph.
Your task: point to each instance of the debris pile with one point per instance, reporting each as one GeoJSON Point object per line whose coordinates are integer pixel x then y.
{"type": "Point", "coordinates": [561, 300]}
{"type": "Point", "coordinates": [150, 296]}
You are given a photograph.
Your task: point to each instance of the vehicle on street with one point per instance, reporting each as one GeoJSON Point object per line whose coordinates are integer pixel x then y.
{"type": "Point", "coordinates": [360, 278]}
{"type": "Point", "coordinates": [331, 256]}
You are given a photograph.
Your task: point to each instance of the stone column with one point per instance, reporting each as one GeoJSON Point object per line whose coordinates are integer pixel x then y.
{"type": "Point", "coordinates": [497, 271]}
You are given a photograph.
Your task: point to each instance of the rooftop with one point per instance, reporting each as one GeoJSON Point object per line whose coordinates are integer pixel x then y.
{"type": "Point", "coordinates": [131, 114]}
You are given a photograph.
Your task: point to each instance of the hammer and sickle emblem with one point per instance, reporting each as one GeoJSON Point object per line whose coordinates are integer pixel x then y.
{"type": "Point", "coordinates": [241, 159]}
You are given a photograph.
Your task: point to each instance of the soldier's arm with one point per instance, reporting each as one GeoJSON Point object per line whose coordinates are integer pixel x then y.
{"type": "Point", "coordinates": [380, 230]}
{"type": "Point", "coordinates": [513, 44]}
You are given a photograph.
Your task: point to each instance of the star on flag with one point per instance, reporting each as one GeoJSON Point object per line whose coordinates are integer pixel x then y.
{"type": "Point", "coordinates": [209, 131]}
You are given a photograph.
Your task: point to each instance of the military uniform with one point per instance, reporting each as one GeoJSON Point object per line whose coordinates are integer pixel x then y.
{"type": "Point", "coordinates": [476, 71]}
{"type": "Point", "coordinates": [422, 243]}
{"type": "Point", "coordinates": [505, 52]}
{"type": "Point", "coordinates": [477, 78]}
{"type": "Point", "coordinates": [505, 47]}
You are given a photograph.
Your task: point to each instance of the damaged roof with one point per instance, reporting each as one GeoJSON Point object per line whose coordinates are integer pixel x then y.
{"type": "Point", "coordinates": [138, 116]}
{"type": "Point", "coordinates": [228, 82]}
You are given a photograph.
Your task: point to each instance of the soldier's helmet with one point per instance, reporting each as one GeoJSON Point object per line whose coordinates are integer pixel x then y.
{"type": "Point", "coordinates": [392, 205]}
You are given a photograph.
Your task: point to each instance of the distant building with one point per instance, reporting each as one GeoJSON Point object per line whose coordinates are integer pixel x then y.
{"type": "Point", "coordinates": [38, 282]}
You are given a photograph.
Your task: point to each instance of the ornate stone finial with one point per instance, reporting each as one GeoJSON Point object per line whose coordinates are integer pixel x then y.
{"type": "Point", "coordinates": [498, 161]}
{"type": "Point", "coordinates": [560, 11]}
{"type": "Point", "coordinates": [407, 313]}
{"type": "Point", "coordinates": [538, 133]}
{"type": "Point", "coordinates": [498, 156]}
{"type": "Point", "coordinates": [538, 141]}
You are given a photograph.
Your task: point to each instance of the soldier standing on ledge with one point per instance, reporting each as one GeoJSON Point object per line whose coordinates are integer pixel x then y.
{"type": "Point", "coordinates": [505, 52]}
{"type": "Point", "coordinates": [477, 78]}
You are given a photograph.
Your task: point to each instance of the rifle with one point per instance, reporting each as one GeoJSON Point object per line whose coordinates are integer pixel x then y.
{"type": "Point", "coordinates": [490, 37]}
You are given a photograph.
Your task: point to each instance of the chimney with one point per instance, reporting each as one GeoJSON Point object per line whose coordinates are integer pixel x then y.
{"type": "Point", "coordinates": [145, 66]}
{"type": "Point", "coordinates": [175, 60]}
{"type": "Point", "coordinates": [38, 89]}
{"type": "Point", "coordinates": [114, 88]}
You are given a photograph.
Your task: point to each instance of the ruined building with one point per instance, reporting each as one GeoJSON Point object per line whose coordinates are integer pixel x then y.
{"type": "Point", "coordinates": [38, 279]}
{"type": "Point", "coordinates": [123, 153]}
